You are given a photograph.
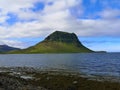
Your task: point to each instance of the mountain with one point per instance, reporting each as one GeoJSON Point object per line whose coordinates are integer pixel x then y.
{"type": "Point", "coordinates": [57, 42]}
{"type": "Point", "coordinates": [6, 48]}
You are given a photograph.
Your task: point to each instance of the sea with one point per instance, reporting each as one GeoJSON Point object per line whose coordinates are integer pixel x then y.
{"type": "Point", "coordinates": [87, 64]}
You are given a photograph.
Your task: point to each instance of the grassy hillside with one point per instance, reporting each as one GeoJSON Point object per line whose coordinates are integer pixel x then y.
{"type": "Point", "coordinates": [57, 42]}
{"type": "Point", "coordinates": [53, 47]}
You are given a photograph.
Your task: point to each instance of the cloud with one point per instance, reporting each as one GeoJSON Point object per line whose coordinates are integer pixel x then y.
{"type": "Point", "coordinates": [110, 44]}
{"type": "Point", "coordinates": [63, 15]}
{"type": "Point", "coordinates": [13, 43]}
{"type": "Point", "coordinates": [105, 46]}
{"type": "Point", "coordinates": [110, 13]}
{"type": "Point", "coordinates": [52, 17]}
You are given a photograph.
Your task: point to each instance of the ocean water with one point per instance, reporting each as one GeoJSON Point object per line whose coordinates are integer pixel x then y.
{"type": "Point", "coordinates": [104, 64]}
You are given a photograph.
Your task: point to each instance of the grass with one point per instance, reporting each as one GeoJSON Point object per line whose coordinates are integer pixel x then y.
{"type": "Point", "coordinates": [54, 47]}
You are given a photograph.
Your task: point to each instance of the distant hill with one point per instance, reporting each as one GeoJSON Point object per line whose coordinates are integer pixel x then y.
{"type": "Point", "coordinates": [6, 48]}
{"type": "Point", "coordinates": [57, 42]}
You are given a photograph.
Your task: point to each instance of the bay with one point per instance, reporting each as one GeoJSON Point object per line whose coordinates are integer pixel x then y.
{"type": "Point", "coordinates": [105, 64]}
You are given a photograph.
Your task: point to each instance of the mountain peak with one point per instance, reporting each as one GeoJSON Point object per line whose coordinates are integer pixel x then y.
{"type": "Point", "coordinates": [65, 37]}
{"type": "Point", "coordinates": [58, 42]}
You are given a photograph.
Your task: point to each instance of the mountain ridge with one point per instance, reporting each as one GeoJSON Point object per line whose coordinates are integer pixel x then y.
{"type": "Point", "coordinates": [6, 48]}
{"type": "Point", "coordinates": [57, 42]}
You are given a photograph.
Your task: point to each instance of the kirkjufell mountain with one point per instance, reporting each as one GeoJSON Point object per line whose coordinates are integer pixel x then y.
{"type": "Point", "coordinates": [57, 42]}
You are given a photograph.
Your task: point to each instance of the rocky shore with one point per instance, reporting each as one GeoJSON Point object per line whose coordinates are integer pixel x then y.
{"type": "Point", "coordinates": [34, 79]}
{"type": "Point", "coordinates": [12, 83]}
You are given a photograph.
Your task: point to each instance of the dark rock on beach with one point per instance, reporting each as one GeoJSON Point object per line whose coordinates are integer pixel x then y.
{"type": "Point", "coordinates": [19, 79]}
{"type": "Point", "coordinates": [12, 83]}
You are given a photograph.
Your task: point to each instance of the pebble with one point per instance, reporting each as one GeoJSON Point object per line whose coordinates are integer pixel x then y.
{"type": "Point", "coordinates": [75, 82]}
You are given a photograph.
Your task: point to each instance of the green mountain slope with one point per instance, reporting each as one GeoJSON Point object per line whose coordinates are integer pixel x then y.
{"type": "Point", "coordinates": [57, 42]}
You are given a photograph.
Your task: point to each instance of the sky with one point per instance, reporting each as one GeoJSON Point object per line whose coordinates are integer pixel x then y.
{"type": "Point", "coordinates": [24, 23]}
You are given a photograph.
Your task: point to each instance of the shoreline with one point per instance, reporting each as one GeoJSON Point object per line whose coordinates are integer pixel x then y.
{"type": "Point", "coordinates": [27, 78]}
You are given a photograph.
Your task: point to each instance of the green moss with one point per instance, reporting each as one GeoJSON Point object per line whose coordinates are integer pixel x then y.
{"type": "Point", "coordinates": [66, 82]}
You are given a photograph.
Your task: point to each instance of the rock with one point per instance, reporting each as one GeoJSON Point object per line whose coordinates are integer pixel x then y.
{"type": "Point", "coordinates": [48, 78]}
{"type": "Point", "coordinates": [11, 83]}
{"type": "Point", "coordinates": [75, 82]}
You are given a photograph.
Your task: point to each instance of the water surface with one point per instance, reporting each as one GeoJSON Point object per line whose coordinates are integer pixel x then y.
{"type": "Point", "coordinates": [106, 64]}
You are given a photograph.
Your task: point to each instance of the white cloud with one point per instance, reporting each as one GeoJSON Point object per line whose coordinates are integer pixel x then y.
{"type": "Point", "coordinates": [16, 5]}
{"type": "Point", "coordinates": [110, 13]}
{"type": "Point", "coordinates": [13, 43]}
{"type": "Point", "coordinates": [53, 17]}
{"type": "Point", "coordinates": [57, 6]}
{"type": "Point", "coordinates": [56, 16]}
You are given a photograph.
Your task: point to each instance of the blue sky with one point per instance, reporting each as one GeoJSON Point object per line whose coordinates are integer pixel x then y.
{"type": "Point", "coordinates": [24, 23]}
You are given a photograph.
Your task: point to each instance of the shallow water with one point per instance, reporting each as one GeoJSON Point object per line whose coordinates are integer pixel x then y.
{"type": "Point", "coordinates": [101, 64]}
